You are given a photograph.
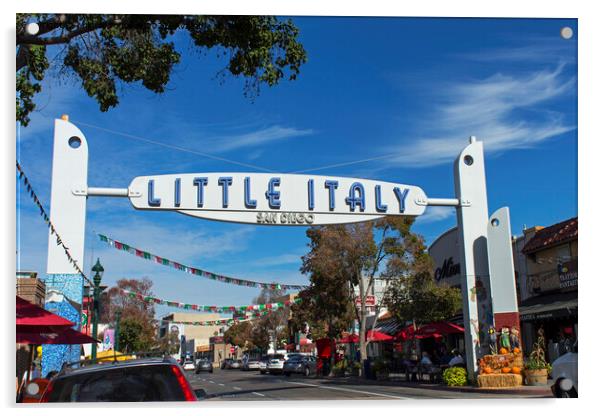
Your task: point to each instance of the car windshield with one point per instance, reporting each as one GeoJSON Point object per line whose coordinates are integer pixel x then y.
{"type": "Point", "coordinates": [294, 357]}
{"type": "Point", "coordinates": [129, 384]}
{"type": "Point", "coordinates": [277, 357]}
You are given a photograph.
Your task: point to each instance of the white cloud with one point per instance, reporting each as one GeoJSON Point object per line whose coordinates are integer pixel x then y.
{"type": "Point", "coordinates": [503, 111]}
{"type": "Point", "coordinates": [436, 214]}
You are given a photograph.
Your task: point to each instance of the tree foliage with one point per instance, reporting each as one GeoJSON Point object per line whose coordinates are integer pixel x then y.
{"type": "Point", "coordinates": [103, 51]}
{"type": "Point", "coordinates": [137, 329]}
{"type": "Point", "coordinates": [239, 334]}
{"type": "Point", "coordinates": [273, 325]}
{"type": "Point", "coordinates": [413, 296]}
{"type": "Point", "coordinates": [344, 261]}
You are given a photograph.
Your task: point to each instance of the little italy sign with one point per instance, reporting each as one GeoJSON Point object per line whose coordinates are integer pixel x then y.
{"type": "Point", "coordinates": [275, 199]}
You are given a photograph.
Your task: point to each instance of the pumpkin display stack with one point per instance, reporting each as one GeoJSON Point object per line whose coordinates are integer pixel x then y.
{"type": "Point", "coordinates": [503, 366]}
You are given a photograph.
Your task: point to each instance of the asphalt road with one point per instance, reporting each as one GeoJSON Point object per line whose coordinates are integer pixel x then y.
{"type": "Point", "coordinates": [251, 385]}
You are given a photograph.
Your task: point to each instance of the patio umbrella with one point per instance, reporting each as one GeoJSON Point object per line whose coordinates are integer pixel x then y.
{"type": "Point", "coordinates": [30, 315]}
{"type": "Point", "coordinates": [62, 336]}
{"type": "Point", "coordinates": [438, 329]}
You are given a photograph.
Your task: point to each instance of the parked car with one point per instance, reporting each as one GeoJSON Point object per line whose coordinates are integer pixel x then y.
{"type": "Point", "coordinates": [188, 365]}
{"type": "Point", "coordinates": [251, 364]}
{"type": "Point", "coordinates": [226, 364]}
{"type": "Point", "coordinates": [139, 380]}
{"type": "Point", "coordinates": [263, 364]}
{"type": "Point", "coordinates": [236, 364]}
{"type": "Point", "coordinates": [204, 365]}
{"type": "Point", "coordinates": [564, 375]}
{"type": "Point", "coordinates": [300, 364]}
{"type": "Point", "coordinates": [276, 362]}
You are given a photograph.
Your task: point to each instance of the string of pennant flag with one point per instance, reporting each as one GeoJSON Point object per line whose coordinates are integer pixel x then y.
{"type": "Point", "coordinates": [193, 270]}
{"type": "Point", "coordinates": [44, 215]}
{"type": "Point", "coordinates": [207, 308]}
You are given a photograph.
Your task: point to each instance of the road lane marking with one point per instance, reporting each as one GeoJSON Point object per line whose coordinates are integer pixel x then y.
{"type": "Point", "coordinates": [236, 388]}
{"type": "Point", "coordinates": [349, 390]}
{"type": "Point", "coordinates": [211, 381]}
{"type": "Point", "coordinates": [258, 394]}
{"type": "Point", "coordinates": [221, 384]}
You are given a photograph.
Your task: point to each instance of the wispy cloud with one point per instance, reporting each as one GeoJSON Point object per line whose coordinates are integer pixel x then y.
{"type": "Point", "coordinates": [256, 138]}
{"type": "Point", "coordinates": [544, 50]}
{"type": "Point", "coordinates": [435, 214]}
{"type": "Point", "coordinates": [506, 112]}
{"type": "Point", "coordinates": [279, 260]}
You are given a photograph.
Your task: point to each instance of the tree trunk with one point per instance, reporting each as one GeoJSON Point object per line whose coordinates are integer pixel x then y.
{"type": "Point", "coordinates": [362, 322]}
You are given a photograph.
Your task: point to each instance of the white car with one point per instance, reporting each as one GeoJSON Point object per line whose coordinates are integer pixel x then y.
{"type": "Point", "coordinates": [564, 375]}
{"type": "Point", "coordinates": [188, 365]}
{"type": "Point", "coordinates": [276, 362]}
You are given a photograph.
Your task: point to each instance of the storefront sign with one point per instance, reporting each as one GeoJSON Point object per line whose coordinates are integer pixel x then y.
{"type": "Point", "coordinates": [563, 278]}
{"type": "Point", "coordinates": [568, 275]}
{"type": "Point", "coordinates": [276, 199]}
{"type": "Point", "coordinates": [448, 269]}
{"type": "Point", "coordinates": [370, 301]}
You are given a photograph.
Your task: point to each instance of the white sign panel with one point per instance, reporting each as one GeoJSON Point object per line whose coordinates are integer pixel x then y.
{"type": "Point", "coordinates": [276, 199]}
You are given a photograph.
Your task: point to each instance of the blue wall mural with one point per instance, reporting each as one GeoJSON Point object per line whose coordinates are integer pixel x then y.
{"type": "Point", "coordinates": [71, 287]}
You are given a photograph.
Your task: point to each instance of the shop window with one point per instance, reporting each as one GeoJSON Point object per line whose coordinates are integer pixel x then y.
{"type": "Point", "coordinates": [563, 253]}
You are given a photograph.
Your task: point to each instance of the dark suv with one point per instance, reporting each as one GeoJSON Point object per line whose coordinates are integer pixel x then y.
{"type": "Point", "coordinates": [140, 380]}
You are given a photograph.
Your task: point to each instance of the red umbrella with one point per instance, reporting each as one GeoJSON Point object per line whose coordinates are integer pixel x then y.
{"type": "Point", "coordinates": [434, 329]}
{"type": "Point", "coordinates": [29, 314]}
{"type": "Point", "coordinates": [62, 336]}
{"type": "Point", "coordinates": [349, 339]}
{"type": "Point", "coordinates": [438, 329]}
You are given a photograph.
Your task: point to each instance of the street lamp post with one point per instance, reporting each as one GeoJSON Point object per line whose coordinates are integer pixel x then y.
{"type": "Point", "coordinates": [98, 271]}
{"type": "Point", "coordinates": [117, 320]}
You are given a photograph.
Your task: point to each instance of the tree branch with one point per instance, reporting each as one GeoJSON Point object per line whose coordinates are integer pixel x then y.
{"type": "Point", "coordinates": [55, 40]}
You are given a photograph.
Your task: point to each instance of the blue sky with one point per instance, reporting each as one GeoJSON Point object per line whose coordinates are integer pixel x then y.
{"type": "Point", "coordinates": [404, 92]}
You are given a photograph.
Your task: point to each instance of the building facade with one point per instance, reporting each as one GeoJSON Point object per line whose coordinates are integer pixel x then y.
{"type": "Point", "coordinates": [546, 261]}
{"type": "Point", "coordinates": [192, 337]}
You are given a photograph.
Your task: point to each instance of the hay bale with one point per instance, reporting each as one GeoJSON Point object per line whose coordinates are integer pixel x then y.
{"type": "Point", "coordinates": [499, 380]}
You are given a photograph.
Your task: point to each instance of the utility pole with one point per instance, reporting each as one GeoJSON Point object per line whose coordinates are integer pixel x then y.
{"type": "Point", "coordinates": [117, 321]}
{"type": "Point", "coordinates": [98, 271]}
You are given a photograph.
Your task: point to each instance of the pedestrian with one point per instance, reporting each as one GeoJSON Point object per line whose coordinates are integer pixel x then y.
{"type": "Point", "coordinates": [457, 359]}
{"type": "Point", "coordinates": [426, 360]}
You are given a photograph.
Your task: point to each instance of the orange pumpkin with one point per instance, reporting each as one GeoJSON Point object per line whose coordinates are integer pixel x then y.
{"type": "Point", "coordinates": [516, 370]}
{"type": "Point", "coordinates": [506, 370]}
{"type": "Point", "coordinates": [488, 370]}
{"type": "Point", "coordinates": [516, 350]}
{"type": "Point", "coordinates": [503, 350]}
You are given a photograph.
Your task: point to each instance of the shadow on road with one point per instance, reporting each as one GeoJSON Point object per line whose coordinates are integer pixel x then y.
{"type": "Point", "coordinates": [250, 391]}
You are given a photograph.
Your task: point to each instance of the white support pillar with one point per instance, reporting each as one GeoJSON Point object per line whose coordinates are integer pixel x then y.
{"type": "Point", "coordinates": [68, 215]}
{"type": "Point", "coordinates": [67, 210]}
{"type": "Point", "coordinates": [501, 271]}
{"type": "Point", "coordinates": [469, 175]}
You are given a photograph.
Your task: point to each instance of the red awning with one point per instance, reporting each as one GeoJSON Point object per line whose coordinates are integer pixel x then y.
{"type": "Point", "coordinates": [29, 314]}
{"type": "Point", "coordinates": [372, 335]}
{"type": "Point", "coordinates": [62, 336]}
{"type": "Point", "coordinates": [375, 335]}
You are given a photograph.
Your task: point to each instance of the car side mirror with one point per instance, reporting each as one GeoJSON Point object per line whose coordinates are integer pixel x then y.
{"type": "Point", "coordinates": [200, 393]}
{"type": "Point", "coordinates": [32, 389]}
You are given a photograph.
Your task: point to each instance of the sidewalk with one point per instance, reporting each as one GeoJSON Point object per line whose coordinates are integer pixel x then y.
{"type": "Point", "coordinates": [523, 390]}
